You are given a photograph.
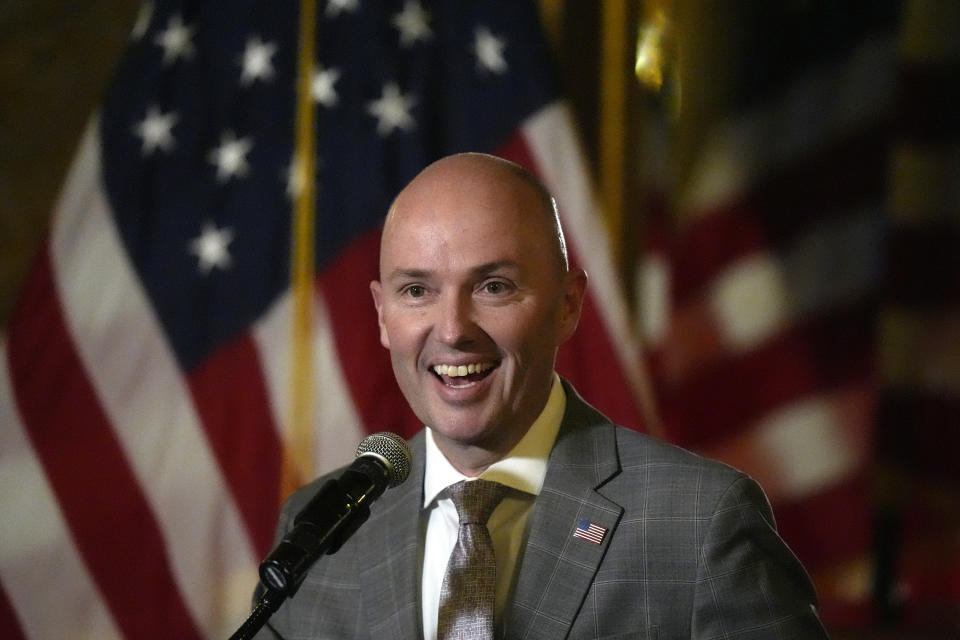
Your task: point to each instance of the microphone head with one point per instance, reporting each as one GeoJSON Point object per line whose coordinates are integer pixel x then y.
{"type": "Point", "coordinates": [392, 450]}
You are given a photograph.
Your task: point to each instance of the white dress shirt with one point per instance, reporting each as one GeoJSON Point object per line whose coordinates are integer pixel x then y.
{"type": "Point", "coordinates": [523, 470]}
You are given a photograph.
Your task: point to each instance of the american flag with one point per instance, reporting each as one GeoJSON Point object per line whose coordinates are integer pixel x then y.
{"type": "Point", "coordinates": [145, 374]}
{"type": "Point", "coordinates": [795, 329]}
{"type": "Point", "coordinates": [589, 531]}
{"type": "Point", "coordinates": [766, 360]}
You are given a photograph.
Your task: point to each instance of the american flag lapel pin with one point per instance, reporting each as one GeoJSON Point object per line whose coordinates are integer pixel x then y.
{"type": "Point", "coordinates": [589, 531]}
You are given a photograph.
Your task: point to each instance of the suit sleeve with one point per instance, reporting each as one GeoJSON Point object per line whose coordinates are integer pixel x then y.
{"type": "Point", "coordinates": [749, 584]}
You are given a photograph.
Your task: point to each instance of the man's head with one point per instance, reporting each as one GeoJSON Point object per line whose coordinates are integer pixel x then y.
{"type": "Point", "coordinates": [473, 300]}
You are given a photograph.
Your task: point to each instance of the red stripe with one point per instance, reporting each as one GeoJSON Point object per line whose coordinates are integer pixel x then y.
{"type": "Point", "coordinates": [588, 360]}
{"type": "Point", "coordinates": [108, 514]}
{"type": "Point", "coordinates": [830, 527]}
{"type": "Point", "coordinates": [9, 624]}
{"type": "Point", "coordinates": [345, 282]}
{"type": "Point", "coordinates": [231, 397]}
{"type": "Point", "coordinates": [730, 393]}
{"type": "Point", "coordinates": [786, 206]}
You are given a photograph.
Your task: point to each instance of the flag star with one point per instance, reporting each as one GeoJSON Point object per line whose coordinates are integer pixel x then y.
{"type": "Point", "coordinates": [256, 61]}
{"type": "Point", "coordinates": [412, 24]}
{"type": "Point", "coordinates": [175, 40]}
{"type": "Point", "coordinates": [489, 51]}
{"type": "Point", "coordinates": [392, 110]}
{"type": "Point", "coordinates": [210, 247]}
{"type": "Point", "coordinates": [230, 157]}
{"type": "Point", "coordinates": [322, 87]}
{"type": "Point", "coordinates": [144, 16]}
{"type": "Point", "coordinates": [156, 130]}
{"type": "Point", "coordinates": [334, 7]}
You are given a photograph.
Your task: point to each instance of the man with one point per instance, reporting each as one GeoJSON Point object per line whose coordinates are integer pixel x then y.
{"type": "Point", "coordinates": [602, 531]}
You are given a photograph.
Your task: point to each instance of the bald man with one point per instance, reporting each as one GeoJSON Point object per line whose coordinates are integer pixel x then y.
{"type": "Point", "coordinates": [602, 532]}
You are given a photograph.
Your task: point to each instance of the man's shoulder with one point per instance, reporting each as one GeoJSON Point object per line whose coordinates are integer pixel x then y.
{"type": "Point", "coordinates": [640, 451]}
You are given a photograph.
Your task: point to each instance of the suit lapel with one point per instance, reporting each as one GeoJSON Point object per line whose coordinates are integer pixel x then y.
{"type": "Point", "coordinates": [389, 573]}
{"type": "Point", "coordinates": [557, 568]}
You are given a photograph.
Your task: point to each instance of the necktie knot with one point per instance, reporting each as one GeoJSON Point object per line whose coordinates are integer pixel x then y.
{"type": "Point", "coordinates": [475, 500]}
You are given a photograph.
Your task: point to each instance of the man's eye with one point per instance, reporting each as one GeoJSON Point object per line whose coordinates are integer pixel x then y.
{"type": "Point", "coordinates": [415, 291]}
{"type": "Point", "coordinates": [495, 287]}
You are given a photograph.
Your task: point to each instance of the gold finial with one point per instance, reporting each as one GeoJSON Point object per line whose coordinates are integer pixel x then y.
{"type": "Point", "coordinates": [651, 59]}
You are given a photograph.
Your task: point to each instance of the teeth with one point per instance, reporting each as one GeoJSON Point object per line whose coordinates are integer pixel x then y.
{"type": "Point", "coordinates": [456, 371]}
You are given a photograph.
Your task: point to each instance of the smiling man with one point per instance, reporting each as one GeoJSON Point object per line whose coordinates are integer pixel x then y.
{"type": "Point", "coordinates": [591, 530]}
{"type": "Point", "coordinates": [475, 297]}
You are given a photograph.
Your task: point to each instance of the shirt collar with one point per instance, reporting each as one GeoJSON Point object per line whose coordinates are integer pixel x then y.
{"type": "Point", "coordinates": [524, 468]}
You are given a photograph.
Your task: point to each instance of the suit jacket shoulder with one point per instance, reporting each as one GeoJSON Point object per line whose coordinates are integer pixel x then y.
{"type": "Point", "coordinates": [682, 546]}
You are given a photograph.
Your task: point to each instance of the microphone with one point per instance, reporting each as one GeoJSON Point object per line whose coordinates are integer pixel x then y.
{"type": "Point", "coordinates": [337, 510]}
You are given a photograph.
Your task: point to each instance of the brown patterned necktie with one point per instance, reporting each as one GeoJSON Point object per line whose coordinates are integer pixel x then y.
{"type": "Point", "coordinates": [467, 593]}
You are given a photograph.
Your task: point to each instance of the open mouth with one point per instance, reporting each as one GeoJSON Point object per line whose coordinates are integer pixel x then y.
{"type": "Point", "coordinates": [463, 375]}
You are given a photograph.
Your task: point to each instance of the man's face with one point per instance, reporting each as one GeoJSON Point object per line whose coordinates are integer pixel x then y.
{"type": "Point", "coordinates": [472, 304]}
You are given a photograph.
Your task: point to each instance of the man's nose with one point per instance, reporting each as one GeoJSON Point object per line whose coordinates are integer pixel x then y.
{"type": "Point", "coordinates": [455, 325]}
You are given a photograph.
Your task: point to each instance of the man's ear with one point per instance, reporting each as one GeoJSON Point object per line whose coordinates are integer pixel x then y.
{"type": "Point", "coordinates": [376, 291]}
{"type": "Point", "coordinates": [571, 305]}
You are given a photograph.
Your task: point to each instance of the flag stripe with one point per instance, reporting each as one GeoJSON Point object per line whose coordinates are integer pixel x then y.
{"type": "Point", "coordinates": [345, 284]}
{"type": "Point", "coordinates": [832, 525]}
{"type": "Point", "coordinates": [246, 411]}
{"type": "Point", "coordinates": [41, 570]}
{"type": "Point", "coordinates": [805, 446]}
{"type": "Point", "coordinates": [560, 162]}
{"type": "Point", "coordinates": [337, 426]}
{"type": "Point", "coordinates": [8, 619]}
{"type": "Point", "coordinates": [109, 516]}
{"type": "Point", "coordinates": [762, 294]}
{"type": "Point", "coordinates": [738, 157]}
{"type": "Point", "coordinates": [593, 341]}
{"type": "Point", "coordinates": [822, 352]}
{"type": "Point", "coordinates": [115, 333]}
{"type": "Point", "coordinates": [605, 338]}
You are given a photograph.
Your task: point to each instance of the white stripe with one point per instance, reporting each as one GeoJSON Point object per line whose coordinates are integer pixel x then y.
{"type": "Point", "coordinates": [140, 387]}
{"type": "Point", "coordinates": [810, 446]}
{"type": "Point", "coordinates": [337, 425]}
{"type": "Point", "coordinates": [817, 109]}
{"type": "Point", "coordinates": [763, 293]}
{"type": "Point", "coordinates": [749, 301]}
{"type": "Point", "coordinates": [550, 135]}
{"type": "Point", "coordinates": [40, 567]}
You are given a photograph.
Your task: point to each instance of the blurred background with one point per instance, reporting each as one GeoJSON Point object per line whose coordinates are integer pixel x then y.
{"type": "Point", "coordinates": [771, 233]}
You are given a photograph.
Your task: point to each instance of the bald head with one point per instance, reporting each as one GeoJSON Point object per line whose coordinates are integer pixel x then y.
{"type": "Point", "coordinates": [481, 177]}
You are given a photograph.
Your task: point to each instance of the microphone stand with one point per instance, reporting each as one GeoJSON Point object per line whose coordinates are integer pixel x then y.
{"type": "Point", "coordinates": [269, 602]}
{"type": "Point", "coordinates": [316, 531]}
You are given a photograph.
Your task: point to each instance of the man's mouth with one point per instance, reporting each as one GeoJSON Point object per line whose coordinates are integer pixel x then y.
{"type": "Point", "coordinates": [460, 376]}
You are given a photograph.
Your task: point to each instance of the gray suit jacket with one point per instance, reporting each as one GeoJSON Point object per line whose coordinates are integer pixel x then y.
{"type": "Point", "coordinates": [690, 551]}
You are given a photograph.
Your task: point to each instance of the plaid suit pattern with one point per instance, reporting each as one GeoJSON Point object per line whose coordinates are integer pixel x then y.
{"type": "Point", "coordinates": [690, 551]}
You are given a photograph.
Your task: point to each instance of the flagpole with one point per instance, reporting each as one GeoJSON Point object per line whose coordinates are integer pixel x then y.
{"type": "Point", "coordinates": [298, 459]}
{"type": "Point", "coordinates": [612, 122]}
